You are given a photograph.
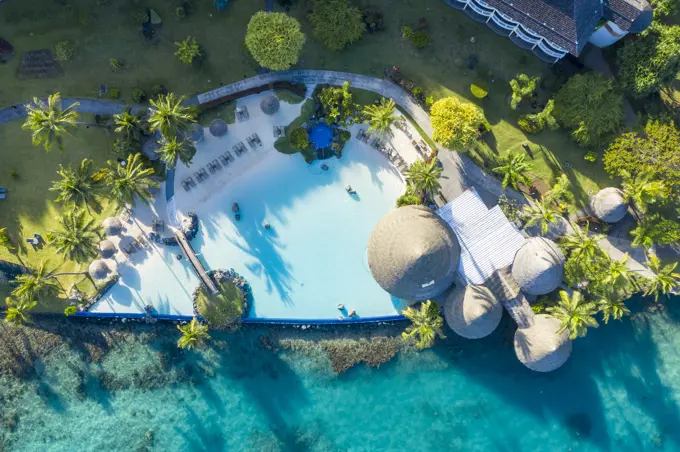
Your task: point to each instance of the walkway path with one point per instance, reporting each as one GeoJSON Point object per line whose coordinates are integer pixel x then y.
{"type": "Point", "coordinates": [94, 106]}
{"type": "Point", "coordinates": [189, 253]}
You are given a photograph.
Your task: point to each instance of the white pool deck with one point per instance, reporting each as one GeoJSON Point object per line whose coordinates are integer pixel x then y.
{"type": "Point", "coordinates": [291, 267]}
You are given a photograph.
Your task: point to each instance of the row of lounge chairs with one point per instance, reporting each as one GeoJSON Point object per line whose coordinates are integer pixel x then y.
{"type": "Point", "coordinates": [138, 243]}
{"type": "Point", "coordinates": [214, 166]}
{"type": "Point", "coordinates": [386, 150]}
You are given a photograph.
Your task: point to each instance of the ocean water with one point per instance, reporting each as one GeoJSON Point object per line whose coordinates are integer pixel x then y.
{"type": "Point", "coordinates": [620, 391]}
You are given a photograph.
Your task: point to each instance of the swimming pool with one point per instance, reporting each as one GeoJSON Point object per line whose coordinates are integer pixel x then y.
{"type": "Point", "coordinates": [313, 257]}
{"type": "Point", "coordinates": [321, 136]}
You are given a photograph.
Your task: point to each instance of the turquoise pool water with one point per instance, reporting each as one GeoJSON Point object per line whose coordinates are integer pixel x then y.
{"type": "Point", "coordinates": [321, 136]}
{"type": "Point", "coordinates": [313, 257]}
{"type": "Point", "coordinates": [619, 392]}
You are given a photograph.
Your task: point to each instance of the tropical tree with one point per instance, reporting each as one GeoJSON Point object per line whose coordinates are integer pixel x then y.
{"type": "Point", "coordinates": [337, 23]}
{"type": "Point", "coordinates": [542, 212]}
{"type": "Point", "coordinates": [169, 115]}
{"type": "Point", "coordinates": [426, 324]}
{"type": "Point", "coordinates": [77, 185]}
{"type": "Point", "coordinates": [174, 148]}
{"type": "Point", "coordinates": [5, 241]}
{"type": "Point", "coordinates": [640, 191]}
{"type": "Point", "coordinates": [127, 123]}
{"type": "Point", "coordinates": [522, 86]}
{"type": "Point", "coordinates": [612, 307]}
{"type": "Point", "coordinates": [456, 124]}
{"type": "Point", "coordinates": [36, 284]}
{"type": "Point", "coordinates": [514, 168]}
{"type": "Point", "coordinates": [49, 121]}
{"type": "Point", "coordinates": [194, 334]}
{"type": "Point", "coordinates": [580, 244]}
{"type": "Point", "coordinates": [575, 314]}
{"type": "Point", "coordinates": [380, 116]}
{"type": "Point", "coordinates": [338, 104]}
{"type": "Point", "coordinates": [275, 40]}
{"type": "Point", "coordinates": [188, 50]}
{"type": "Point", "coordinates": [17, 311]}
{"type": "Point", "coordinates": [653, 228]}
{"type": "Point", "coordinates": [664, 279]}
{"type": "Point", "coordinates": [616, 276]}
{"type": "Point", "coordinates": [129, 182]}
{"type": "Point", "coordinates": [77, 238]}
{"type": "Point", "coordinates": [424, 176]}
{"type": "Point", "coordinates": [561, 190]}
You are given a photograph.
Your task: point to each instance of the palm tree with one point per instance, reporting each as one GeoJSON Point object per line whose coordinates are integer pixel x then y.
{"type": "Point", "coordinates": [580, 244]}
{"type": "Point", "coordinates": [77, 238]}
{"type": "Point", "coordinates": [4, 240]}
{"type": "Point", "coordinates": [133, 180]}
{"type": "Point", "coordinates": [541, 211]}
{"type": "Point", "coordinates": [169, 115]}
{"type": "Point", "coordinates": [17, 311]}
{"type": "Point", "coordinates": [611, 306]}
{"type": "Point", "coordinates": [380, 116]}
{"type": "Point", "coordinates": [36, 284]}
{"type": "Point", "coordinates": [514, 168]}
{"type": "Point", "coordinates": [561, 190]}
{"type": "Point", "coordinates": [639, 191]}
{"type": "Point", "coordinates": [193, 334]}
{"type": "Point", "coordinates": [127, 124]}
{"type": "Point", "coordinates": [426, 324]}
{"type": "Point", "coordinates": [575, 314]}
{"type": "Point", "coordinates": [424, 176]}
{"type": "Point", "coordinates": [617, 276]}
{"type": "Point", "coordinates": [78, 185]}
{"type": "Point", "coordinates": [643, 234]}
{"type": "Point", "coordinates": [48, 121]}
{"type": "Point", "coordinates": [664, 279]}
{"type": "Point", "coordinates": [173, 148]}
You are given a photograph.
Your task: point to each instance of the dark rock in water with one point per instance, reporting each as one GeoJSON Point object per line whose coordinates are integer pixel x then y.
{"type": "Point", "coordinates": [579, 424]}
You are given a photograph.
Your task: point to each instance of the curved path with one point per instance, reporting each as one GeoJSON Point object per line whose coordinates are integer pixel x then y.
{"type": "Point", "coordinates": [459, 172]}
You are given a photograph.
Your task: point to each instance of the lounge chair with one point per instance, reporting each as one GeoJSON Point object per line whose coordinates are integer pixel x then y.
{"type": "Point", "coordinates": [250, 142]}
{"type": "Point", "coordinates": [203, 174]}
{"type": "Point", "coordinates": [216, 164]}
{"type": "Point", "coordinates": [224, 160]}
{"type": "Point", "coordinates": [237, 150]}
{"type": "Point", "coordinates": [229, 157]}
{"type": "Point", "coordinates": [256, 139]}
{"type": "Point", "coordinates": [32, 241]}
{"type": "Point", "coordinates": [242, 146]}
{"type": "Point", "coordinates": [190, 182]}
{"type": "Point", "coordinates": [185, 186]}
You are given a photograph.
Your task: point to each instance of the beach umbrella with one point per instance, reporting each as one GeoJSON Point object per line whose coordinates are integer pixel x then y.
{"type": "Point", "coordinates": [472, 311]}
{"type": "Point", "coordinates": [99, 269]}
{"type": "Point", "coordinates": [270, 105]}
{"type": "Point", "coordinates": [608, 205]}
{"type": "Point", "coordinates": [106, 249]}
{"type": "Point", "coordinates": [538, 267]}
{"type": "Point", "coordinates": [413, 254]}
{"type": "Point", "coordinates": [218, 127]}
{"type": "Point", "coordinates": [112, 226]}
{"type": "Point", "coordinates": [540, 347]}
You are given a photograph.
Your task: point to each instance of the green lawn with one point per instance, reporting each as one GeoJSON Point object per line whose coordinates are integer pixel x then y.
{"type": "Point", "coordinates": [222, 309]}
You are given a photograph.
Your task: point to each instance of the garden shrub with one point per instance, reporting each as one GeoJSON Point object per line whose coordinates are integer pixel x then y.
{"type": "Point", "coordinates": [408, 199]}
{"type": "Point", "coordinates": [115, 64]}
{"type": "Point", "coordinates": [181, 12]}
{"type": "Point", "coordinates": [522, 86]}
{"type": "Point", "coordinates": [158, 90]}
{"type": "Point", "coordinates": [14, 174]}
{"type": "Point", "coordinates": [140, 16]}
{"type": "Point", "coordinates": [456, 124]}
{"type": "Point", "coordinates": [138, 95]}
{"type": "Point", "coordinates": [429, 100]}
{"type": "Point", "coordinates": [509, 208]}
{"type": "Point", "coordinates": [275, 40]}
{"type": "Point", "coordinates": [299, 138]}
{"type": "Point", "coordinates": [188, 50]}
{"type": "Point", "coordinates": [591, 156]}
{"type": "Point", "coordinates": [527, 125]}
{"type": "Point", "coordinates": [336, 23]}
{"type": "Point", "coordinates": [419, 38]}
{"type": "Point", "coordinates": [373, 19]}
{"type": "Point", "coordinates": [479, 89]}
{"type": "Point", "coordinates": [114, 93]}
{"type": "Point", "coordinates": [345, 135]}
{"type": "Point", "coordinates": [338, 104]}
{"type": "Point", "coordinates": [63, 51]}
{"type": "Point", "coordinates": [70, 310]}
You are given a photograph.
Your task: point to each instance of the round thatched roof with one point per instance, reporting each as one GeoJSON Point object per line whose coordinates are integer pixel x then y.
{"type": "Point", "coordinates": [472, 311]}
{"type": "Point", "coordinates": [608, 205]}
{"type": "Point", "coordinates": [107, 249]}
{"type": "Point", "coordinates": [540, 347]}
{"type": "Point", "coordinates": [99, 269]}
{"type": "Point", "coordinates": [270, 105]}
{"type": "Point", "coordinates": [112, 226]}
{"type": "Point", "coordinates": [152, 145]}
{"type": "Point", "coordinates": [218, 127]}
{"type": "Point", "coordinates": [538, 267]}
{"type": "Point", "coordinates": [413, 254]}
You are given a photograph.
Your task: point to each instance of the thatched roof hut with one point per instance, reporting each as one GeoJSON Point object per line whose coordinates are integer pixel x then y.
{"type": "Point", "coordinates": [608, 205]}
{"type": "Point", "coordinates": [218, 127]}
{"type": "Point", "coordinates": [195, 133]}
{"type": "Point", "coordinates": [99, 269]}
{"type": "Point", "coordinates": [538, 267]}
{"type": "Point", "coordinates": [107, 249]}
{"type": "Point", "coordinates": [270, 105]}
{"type": "Point", "coordinates": [413, 254]}
{"type": "Point", "coordinates": [472, 311]}
{"type": "Point", "coordinates": [112, 226]}
{"type": "Point", "coordinates": [540, 347]}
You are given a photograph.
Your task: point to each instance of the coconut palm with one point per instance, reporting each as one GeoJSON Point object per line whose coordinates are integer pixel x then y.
{"type": "Point", "coordinates": [36, 284]}
{"type": "Point", "coordinates": [193, 334]}
{"type": "Point", "coordinates": [575, 314]}
{"type": "Point", "coordinates": [381, 116]}
{"type": "Point", "coordinates": [612, 307]}
{"type": "Point", "coordinates": [643, 234]}
{"type": "Point", "coordinates": [542, 212]}
{"type": "Point", "coordinates": [640, 191]}
{"type": "Point", "coordinates": [77, 238]}
{"type": "Point", "coordinates": [127, 124]}
{"type": "Point", "coordinates": [663, 280]}
{"type": "Point", "coordinates": [173, 148]}
{"type": "Point", "coordinates": [17, 311]}
{"type": "Point", "coordinates": [49, 121]}
{"type": "Point", "coordinates": [580, 244]}
{"type": "Point", "coordinates": [169, 115]}
{"type": "Point", "coordinates": [424, 176]}
{"type": "Point", "coordinates": [514, 168]}
{"type": "Point", "coordinates": [426, 324]}
{"type": "Point", "coordinates": [127, 183]}
{"type": "Point", "coordinates": [616, 276]}
{"type": "Point", "coordinates": [78, 185]}
{"type": "Point", "coordinates": [561, 190]}
{"type": "Point", "coordinates": [5, 241]}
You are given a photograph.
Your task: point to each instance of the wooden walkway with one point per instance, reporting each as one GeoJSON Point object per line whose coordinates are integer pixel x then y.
{"type": "Point", "coordinates": [189, 253]}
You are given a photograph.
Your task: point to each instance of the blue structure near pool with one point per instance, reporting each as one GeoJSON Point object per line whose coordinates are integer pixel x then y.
{"type": "Point", "coordinates": [321, 136]}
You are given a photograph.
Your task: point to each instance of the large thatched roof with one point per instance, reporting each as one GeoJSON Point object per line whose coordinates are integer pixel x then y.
{"type": "Point", "coordinates": [608, 205]}
{"type": "Point", "coordinates": [270, 105]}
{"type": "Point", "coordinates": [107, 249]}
{"type": "Point", "coordinates": [413, 254]}
{"type": "Point", "coordinates": [539, 266]}
{"type": "Point", "coordinates": [112, 226]}
{"type": "Point", "coordinates": [472, 311]}
{"type": "Point", "coordinates": [540, 347]}
{"type": "Point", "coordinates": [218, 127]}
{"type": "Point", "coordinates": [99, 269]}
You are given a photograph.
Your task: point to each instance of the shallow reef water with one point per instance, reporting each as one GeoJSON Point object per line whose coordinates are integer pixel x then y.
{"type": "Point", "coordinates": [271, 389]}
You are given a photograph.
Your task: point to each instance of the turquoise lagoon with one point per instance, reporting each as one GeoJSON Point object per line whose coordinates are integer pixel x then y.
{"type": "Point", "coordinates": [618, 392]}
